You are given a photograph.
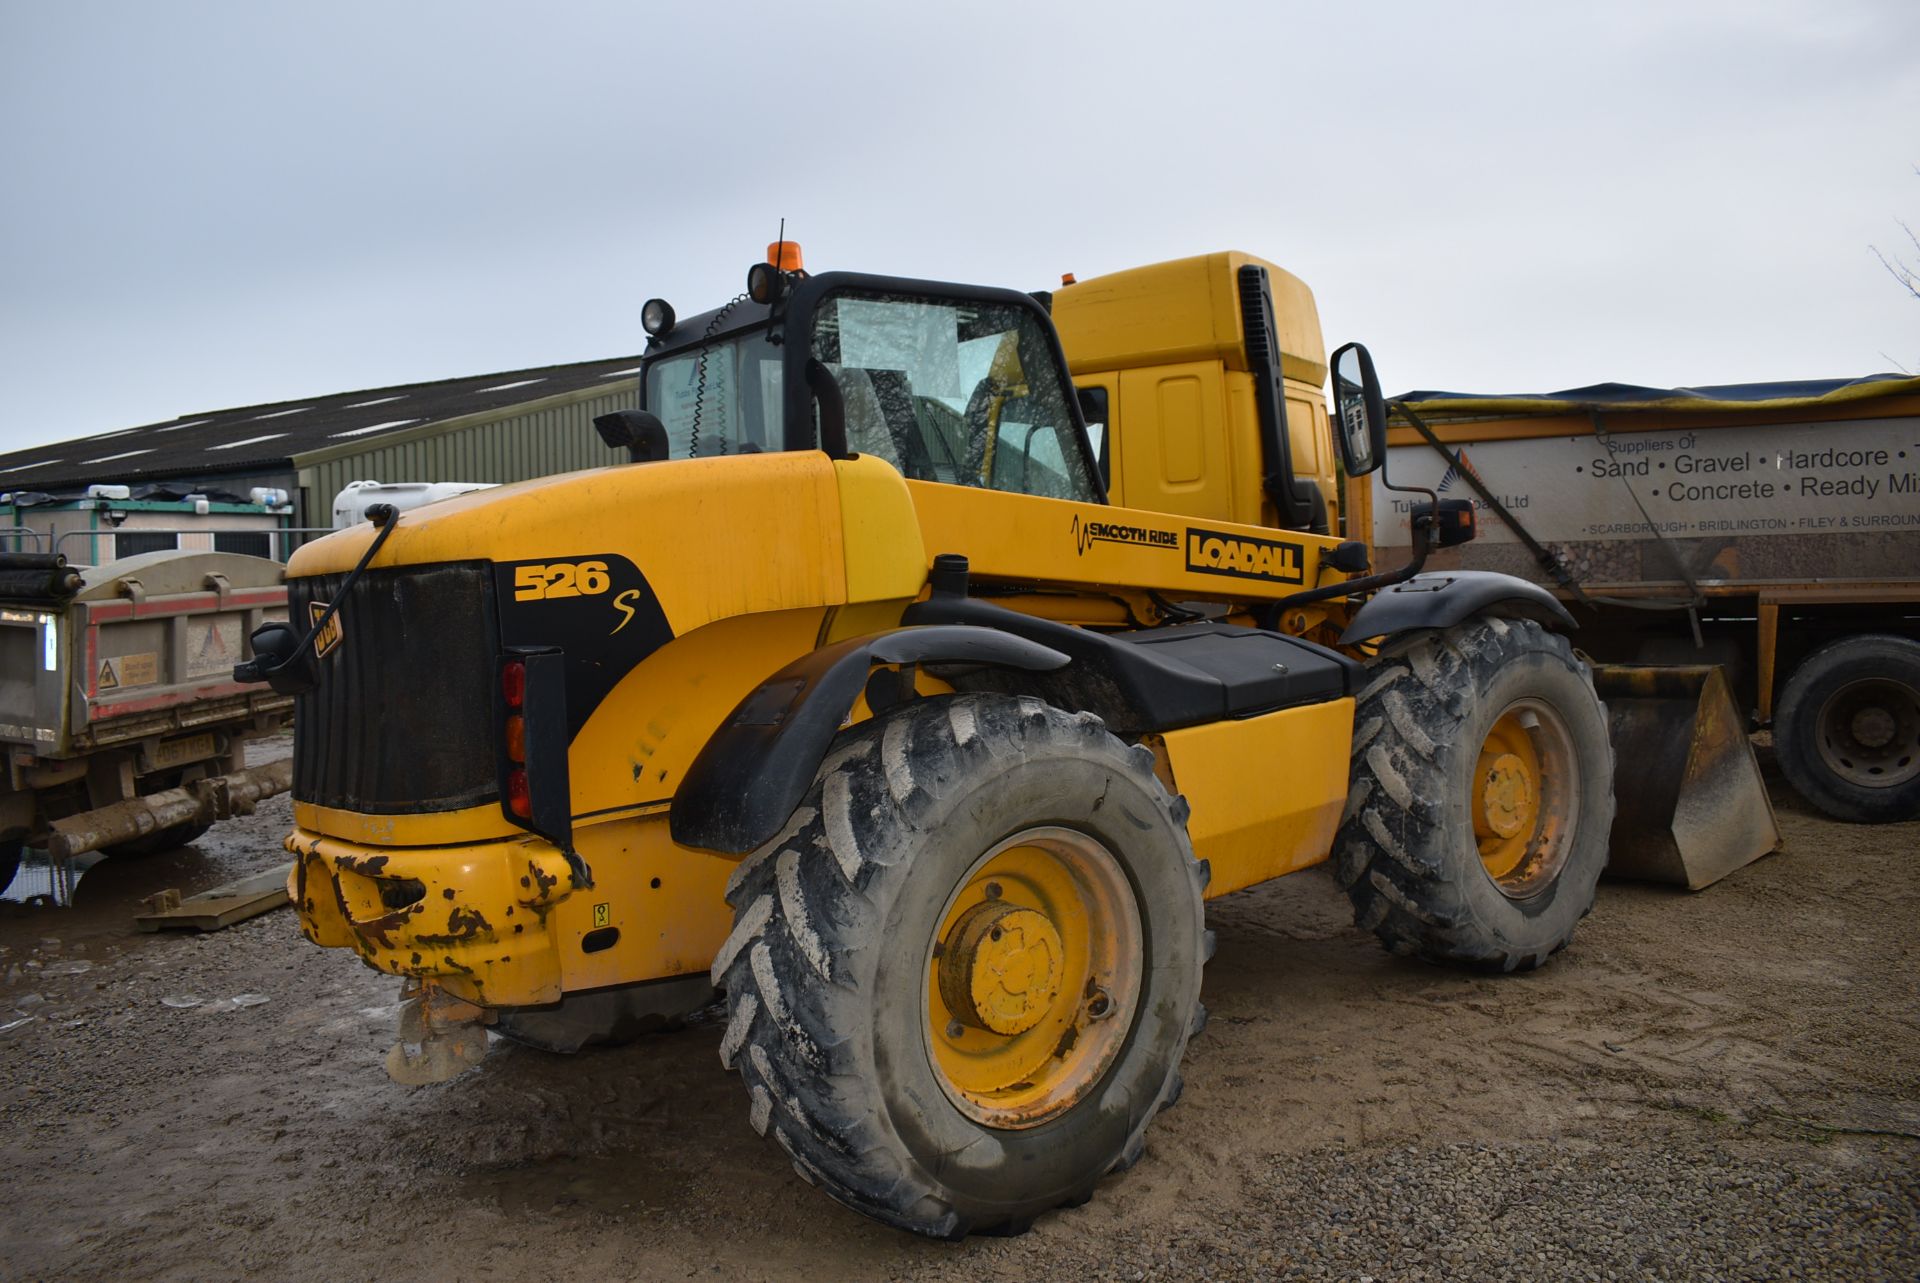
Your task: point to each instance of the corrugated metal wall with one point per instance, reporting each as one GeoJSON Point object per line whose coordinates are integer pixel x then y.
{"type": "Point", "coordinates": [536, 444]}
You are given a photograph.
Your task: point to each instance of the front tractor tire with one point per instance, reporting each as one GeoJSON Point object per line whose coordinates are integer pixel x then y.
{"type": "Point", "coordinates": [1481, 796]}
{"type": "Point", "coordinates": [960, 983]}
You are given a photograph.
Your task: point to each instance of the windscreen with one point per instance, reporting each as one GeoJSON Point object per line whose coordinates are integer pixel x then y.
{"type": "Point", "coordinates": [965, 393]}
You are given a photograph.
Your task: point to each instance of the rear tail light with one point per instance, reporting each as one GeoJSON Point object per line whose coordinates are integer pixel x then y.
{"type": "Point", "coordinates": [513, 736]}
{"type": "Point", "coordinates": [531, 740]}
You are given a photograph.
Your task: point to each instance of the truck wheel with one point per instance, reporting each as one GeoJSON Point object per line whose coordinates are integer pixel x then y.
{"type": "Point", "coordinates": [607, 1017]}
{"type": "Point", "coordinates": [9, 861]}
{"type": "Point", "coordinates": [153, 843]}
{"type": "Point", "coordinates": [1847, 731]}
{"type": "Point", "coordinates": [960, 983]}
{"type": "Point", "coordinates": [1481, 799]}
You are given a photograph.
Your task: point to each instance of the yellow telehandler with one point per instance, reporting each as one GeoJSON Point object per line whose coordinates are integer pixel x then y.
{"type": "Point", "coordinates": [915, 686]}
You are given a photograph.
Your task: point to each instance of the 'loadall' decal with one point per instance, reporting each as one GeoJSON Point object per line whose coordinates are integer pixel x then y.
{"type": "Point", "coordinates": [1088, 533]}
{"type": "Point", "coordinates": [1213, 552]}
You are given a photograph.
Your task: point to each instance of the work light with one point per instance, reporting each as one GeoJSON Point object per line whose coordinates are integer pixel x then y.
{"type": "Point", "coordinates": [656, 316]}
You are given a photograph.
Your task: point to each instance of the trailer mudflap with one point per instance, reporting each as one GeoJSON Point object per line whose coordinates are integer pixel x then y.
{"type": "Point", "coordinates": [1691, 806]}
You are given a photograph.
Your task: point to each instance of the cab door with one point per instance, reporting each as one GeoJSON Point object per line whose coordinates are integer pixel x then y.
{"type": "Point", "coordinates": [1169, 442]}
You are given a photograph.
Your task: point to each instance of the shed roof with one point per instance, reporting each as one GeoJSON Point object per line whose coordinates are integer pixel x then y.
{"type": "Point", "coordinates": [258, 438]}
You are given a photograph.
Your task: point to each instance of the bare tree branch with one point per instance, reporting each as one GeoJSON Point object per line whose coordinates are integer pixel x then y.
{"type": "Point", "coordinates": [1908, 274]}
{"type": "Point", "coordinates": [1899, 271]}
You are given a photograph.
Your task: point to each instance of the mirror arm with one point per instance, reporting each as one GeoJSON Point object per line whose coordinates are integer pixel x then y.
{"type": "Point", "coordinates": [1422, 544]}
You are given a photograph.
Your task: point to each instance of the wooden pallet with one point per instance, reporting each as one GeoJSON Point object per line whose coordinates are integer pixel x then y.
{"type": "Point", "coordinates": [222, 906]}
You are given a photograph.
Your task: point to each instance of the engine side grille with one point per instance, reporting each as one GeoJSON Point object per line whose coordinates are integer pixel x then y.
{"type": "Point", "coordinates": [403, 718]}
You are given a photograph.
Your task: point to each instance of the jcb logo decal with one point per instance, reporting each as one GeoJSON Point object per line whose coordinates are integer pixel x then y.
{"type": "Point", "coordinates": [329, 637]}
{"type": "Point", "coordinates": [560, 579]}
{"type": "Point", "coordinates": [1213, 552]}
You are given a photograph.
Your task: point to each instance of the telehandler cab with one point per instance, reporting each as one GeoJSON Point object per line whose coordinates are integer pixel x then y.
{"type": "Point", "coordinates": [939, 653]}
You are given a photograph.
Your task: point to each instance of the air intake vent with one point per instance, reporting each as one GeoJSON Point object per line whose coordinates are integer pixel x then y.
{"type": "Point", "coordinates": [403, 718]}
{"type": "Point", "coordinates": [1293, 509]}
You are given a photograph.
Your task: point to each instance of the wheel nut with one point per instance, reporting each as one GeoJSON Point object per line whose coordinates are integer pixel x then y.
{"type": "Point", "coordinates": [993, 890]}
{"type": "Point", "coordinates": [955, 1029]}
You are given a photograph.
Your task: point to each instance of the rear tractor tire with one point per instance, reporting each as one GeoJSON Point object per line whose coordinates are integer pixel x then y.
{"type": "Point", "coordinates": [959, 985]}
{"type": "Point", "coordinates": [1481, 796]}
{"type": "Point", "coordinates": [1847, 732]}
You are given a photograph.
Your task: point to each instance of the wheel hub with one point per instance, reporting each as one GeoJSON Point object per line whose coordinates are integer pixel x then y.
{"type": "Point", "coordinates": [1033, 977]}
{"type": "Point", "coordinates": [1869, 733]}
{"type": "Point", "coordinates": [1524, 804]}
{"type": "Point", "coordinates": [1001, 967]}
{"type": "Point", "coordinates": [1873, 728]}
{"type": "Point", "coordinates": [1507, 798]}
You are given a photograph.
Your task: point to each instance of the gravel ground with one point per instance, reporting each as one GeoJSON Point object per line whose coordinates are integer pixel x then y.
{"type": "Point", "coordinates": [1714, 1086]}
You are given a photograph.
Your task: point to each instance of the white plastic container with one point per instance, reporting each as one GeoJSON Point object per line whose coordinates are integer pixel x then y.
{"type": "Point", "coordinates": [351, 504]}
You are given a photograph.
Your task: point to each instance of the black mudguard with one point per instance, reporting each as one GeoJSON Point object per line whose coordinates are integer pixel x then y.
{"type": "Point", "coordinates": [1441, 599]}
{"type": "Point", "coordinates": [760, 763]}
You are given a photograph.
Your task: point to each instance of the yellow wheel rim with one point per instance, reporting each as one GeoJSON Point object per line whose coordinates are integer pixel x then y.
{"type": "Point", "coordinates": [1033, 977]}
{"type": "Point", "coordinates": [1525, 798]}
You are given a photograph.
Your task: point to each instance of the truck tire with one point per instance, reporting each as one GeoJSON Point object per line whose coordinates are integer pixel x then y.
{"type": "Point", "coordinates": [607, 1017]}
{"type": "Point", "coordinates": [9, 861]}
{"type": "Point", "coordinates": [1481, 797]}
{"type": "Point", "coordinates": [960, 983]}
{"type": "Point", "coordinates": [165, 839]}
{"type": "Point", "coordinates": [1847, 730]}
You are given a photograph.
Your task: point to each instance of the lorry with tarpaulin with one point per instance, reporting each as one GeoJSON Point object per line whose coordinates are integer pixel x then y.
{"type": "Point", "coordinates": [1769, 529]}
{"type": "Point", "coordinates": [123, 728]}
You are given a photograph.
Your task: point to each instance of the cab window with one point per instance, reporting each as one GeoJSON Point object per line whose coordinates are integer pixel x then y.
{"type": "Point", "coordinates": [963, 393]}
{"type": "Point", "coordinates": [723, 398]}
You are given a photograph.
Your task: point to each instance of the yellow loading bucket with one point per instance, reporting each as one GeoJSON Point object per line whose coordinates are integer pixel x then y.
{"type": "Point", "coordinates": [1691, 806]}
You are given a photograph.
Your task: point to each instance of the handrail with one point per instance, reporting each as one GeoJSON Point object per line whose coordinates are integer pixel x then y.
{"type": "Point", "coordinates": [277, 551]}
{"type": "Point", "coordinates": [16, 532]}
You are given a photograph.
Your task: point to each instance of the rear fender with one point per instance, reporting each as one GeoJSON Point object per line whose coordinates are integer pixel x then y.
{"type": "Point", "coordinates": [751, 775]}
{"type": "Point", "coordinates": [1441, 599]}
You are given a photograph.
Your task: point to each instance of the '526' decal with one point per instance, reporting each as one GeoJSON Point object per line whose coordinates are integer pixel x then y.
{"type": "Point", "coordinates": [560, 579]}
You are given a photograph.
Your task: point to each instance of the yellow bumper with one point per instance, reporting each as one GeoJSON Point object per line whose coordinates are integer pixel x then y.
{"type": "Point", "coordinates": [473, 919]}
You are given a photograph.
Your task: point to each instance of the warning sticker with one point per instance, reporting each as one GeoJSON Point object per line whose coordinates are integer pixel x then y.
{"type": "Point", "coordinates": [128, 670]}
{"type": "Point", "coordinates": [213, 647]}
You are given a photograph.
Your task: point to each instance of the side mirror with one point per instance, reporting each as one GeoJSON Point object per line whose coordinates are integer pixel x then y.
{"type": "Point", "coordinates": [1360, 412]}
{"type": "Point", "coordinates": [640, 432]}
{"type": "Point", "coordinates": [279, 660]}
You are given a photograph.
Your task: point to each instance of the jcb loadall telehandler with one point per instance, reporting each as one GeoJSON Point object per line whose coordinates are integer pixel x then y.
{"type": "Point", "coordinates": [881, 694]}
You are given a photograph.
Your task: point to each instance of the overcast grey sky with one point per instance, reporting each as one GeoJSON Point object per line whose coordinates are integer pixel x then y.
{"type": "Point", "coordinates": [208, 205]}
